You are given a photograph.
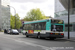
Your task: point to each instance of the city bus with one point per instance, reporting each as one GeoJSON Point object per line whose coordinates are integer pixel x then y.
{"type": "Point", "coordinates": [48, 28]}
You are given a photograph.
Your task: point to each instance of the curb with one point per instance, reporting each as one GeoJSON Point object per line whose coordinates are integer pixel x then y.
{"type": "Point", "coordinates": [70, 40]}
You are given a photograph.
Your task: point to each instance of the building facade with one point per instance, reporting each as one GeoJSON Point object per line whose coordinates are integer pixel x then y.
{"type": "Point", "coordinates": [63, 15]}
{"type": "Point", "coordinates": [4, 14]}
{"type": "Point", "coordinates": [58, 6]}
{"type": "Point", "coordinates": [0, 14]}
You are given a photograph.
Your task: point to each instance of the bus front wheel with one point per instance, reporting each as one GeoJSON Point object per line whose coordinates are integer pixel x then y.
{"type": "Point", "coordinates": [27, 36]}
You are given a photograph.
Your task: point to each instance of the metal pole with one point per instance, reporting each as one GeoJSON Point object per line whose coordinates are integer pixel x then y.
{"type": "Point", "coordinates": [68, 18]}
{"type": "Point", "coordinates": [15, 14]}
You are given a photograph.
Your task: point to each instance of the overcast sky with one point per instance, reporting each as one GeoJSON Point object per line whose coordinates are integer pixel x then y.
{"type": "Point", "coordinates": [24, 6]}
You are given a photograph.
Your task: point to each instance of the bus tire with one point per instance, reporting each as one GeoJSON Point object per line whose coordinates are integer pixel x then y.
{"type": "Point", "coordinates": [27, 36]}
{"type": "Point", "coordinates": [25, 33]}
{"type": "Point", "coordinates": [39, 37]}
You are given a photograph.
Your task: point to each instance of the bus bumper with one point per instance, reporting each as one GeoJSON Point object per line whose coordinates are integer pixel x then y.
{"type": "Point", "coordinates": [54, 35]}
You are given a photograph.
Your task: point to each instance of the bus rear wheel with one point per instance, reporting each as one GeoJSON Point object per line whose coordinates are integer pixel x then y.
{"type": "Point", "coordinates": [38, 37]}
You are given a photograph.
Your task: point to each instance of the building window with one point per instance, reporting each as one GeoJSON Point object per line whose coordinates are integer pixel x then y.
{"type": "Point", "coordinates": [73, 26]}
{"type": "Point", "coordinates": [73, 3]}
{"type": "Point", "coordinates": [70, 27]}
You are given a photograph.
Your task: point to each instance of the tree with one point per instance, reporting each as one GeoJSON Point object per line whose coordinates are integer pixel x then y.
{"type": "Point", "coordinates": [12, 21]}
{"type": "Point", "coordinates": [34, 14]}
{"type": "Point", "coordinates": [18, 22]}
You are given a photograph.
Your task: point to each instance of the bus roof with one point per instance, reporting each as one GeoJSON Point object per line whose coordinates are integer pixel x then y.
{"type": "Point", "coordinates": [37, 21]}
{"type": "Point", "coordinates": [27, 22]}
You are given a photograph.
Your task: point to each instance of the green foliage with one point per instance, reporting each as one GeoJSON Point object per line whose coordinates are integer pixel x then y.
{"type": "Point", "coordinates": [34, 14]}
{"type": "Point", "coordinates": [12, 22]}
{"type": "Point", "coordinates": [18, 22]}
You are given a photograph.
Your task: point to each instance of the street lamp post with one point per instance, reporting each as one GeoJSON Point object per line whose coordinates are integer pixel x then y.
{"type": "Point", "coordinates": [15, 14]}
{"type": "Point", "coordinates": [68, 18]}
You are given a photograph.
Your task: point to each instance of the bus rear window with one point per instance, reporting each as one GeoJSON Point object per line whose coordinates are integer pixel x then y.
{"type": "Point", "coordinates": [57, 21]}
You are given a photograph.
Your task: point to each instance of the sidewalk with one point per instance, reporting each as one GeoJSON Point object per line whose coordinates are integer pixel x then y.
{"type": "Point", "coordinates": [71, 38]}
{"type": "Point", "coordinates": [1, 32]}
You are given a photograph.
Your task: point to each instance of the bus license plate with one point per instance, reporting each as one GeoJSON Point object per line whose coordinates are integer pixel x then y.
{"type": "Point", "coordinates": [56, 33]}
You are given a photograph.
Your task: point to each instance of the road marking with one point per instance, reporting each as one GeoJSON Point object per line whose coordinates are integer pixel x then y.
{"type": "Point", "coordinates": [31, 44]}
{"type": "Point", "coordinates": [67, 41]}
{"type": "Point", "coordinates": [74, 40]}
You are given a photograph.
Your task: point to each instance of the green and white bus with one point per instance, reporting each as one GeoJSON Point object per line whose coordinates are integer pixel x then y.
{"type": "Point", "coordinates": [48, 28]}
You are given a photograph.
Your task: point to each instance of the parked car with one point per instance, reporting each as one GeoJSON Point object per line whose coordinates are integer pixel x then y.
{"type": "Point", "coordinates": [8, 31]}
{"type": "Point", "coordinates": [19, 30]}
{"type": "Point", "coordinates": [14, 31]}
{"type": "Point", "coordinates": [5, 31]}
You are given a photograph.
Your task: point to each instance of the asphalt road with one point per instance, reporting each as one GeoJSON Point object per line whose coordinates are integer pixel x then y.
{"type": "Point", "coordinates": [20, 42]}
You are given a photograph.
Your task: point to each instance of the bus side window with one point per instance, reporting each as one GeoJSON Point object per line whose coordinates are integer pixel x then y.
{"type": "Point", "coordinates": [32, 26]}
{"type": "Point", "coordinates": [36, 26]}
{"type": "Point", "coordinates": [39, 26]}
{"type": "Point", "coordinates": [43, 25]}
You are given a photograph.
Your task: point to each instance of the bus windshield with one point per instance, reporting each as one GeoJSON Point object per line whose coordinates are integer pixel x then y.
{"type": "Point", "coordinates": [57, 21]}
